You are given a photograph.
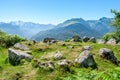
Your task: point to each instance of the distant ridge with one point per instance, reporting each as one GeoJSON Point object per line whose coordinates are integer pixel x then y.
{"type": "Point", "coordinates": [24, 29]}
{"type": "Point", "coordinates": [78, 26]}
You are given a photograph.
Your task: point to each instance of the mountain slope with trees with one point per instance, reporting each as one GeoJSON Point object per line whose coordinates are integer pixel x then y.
{"type": "Point", "coordinates": [78, 26]}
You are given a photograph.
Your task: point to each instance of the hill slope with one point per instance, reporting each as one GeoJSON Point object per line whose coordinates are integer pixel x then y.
{"type": "Point", "coordinates": [67, 32]}
{"type": "Point", "coordinates": [26, 70]}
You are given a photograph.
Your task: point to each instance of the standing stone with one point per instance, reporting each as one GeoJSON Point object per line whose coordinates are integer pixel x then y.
{"type": "Point", "coordinates": [92, 39]}
{"type": "Point", "coordinates": [58, 55]}
{"type": "Point", "coordinates": [85, 39]}
{"type": "Point", "coordinates": [15, 56]}
{"type": "Point", "coordinates": [86, 59]}
{"type": "Point", "coordinates": [111, 42]}
{"type": "Point", "coordinates": [108, 54]}
{"type": "Point", "coordinates": [21, 46]}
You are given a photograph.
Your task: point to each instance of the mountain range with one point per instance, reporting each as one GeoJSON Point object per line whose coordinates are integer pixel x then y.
{"type": "Point", "coordinates": [24, 29]}
{"type": "Point", "coordinates": [78, 26]}
{"type": "Point", "coordinates": [62, 31]}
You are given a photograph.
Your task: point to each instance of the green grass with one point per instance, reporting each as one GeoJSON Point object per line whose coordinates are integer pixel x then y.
{"type": "Point", "coordinates": [106, 70]}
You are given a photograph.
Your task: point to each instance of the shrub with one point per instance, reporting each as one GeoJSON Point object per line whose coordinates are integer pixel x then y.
{"type": "Point", "coordinates": [67, 40]}
{"type": "Point", "coordinates": [9, 40]}
{"type": "Point", "coordinates": [108, 36]}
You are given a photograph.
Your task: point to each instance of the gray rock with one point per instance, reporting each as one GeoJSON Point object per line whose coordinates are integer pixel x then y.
{"type": "Point", "coordinates": [100, 41]}
{"type": "Point", "coordinates": [76, 38]}
{"type": "Point", "coordinates": [21, 46]}
{"type": "Point", "coordinates": [28, 52]}
{"type": "Point", "coordinates": [92, 39]}
{"type": "Point", "coordinates": [65, 63]}
{"type": "Point", "coordinates": [70, 47]}
{"type": "Point", "coordinates": [48, 64]}
{"type": "Point", "coordinates": [86, 59]}
{"type": "Point", "coordinates": [15, 56]}
{"type": "Point", "coordinates": [108, 54]}
{"type": "Point", "coordinates": [86, 48]}
{"type": "Point", "coordinates": [58, 55]}
{"type": "Point", "coordinates": [50, 40]}
{"type": "Point", "coordinates": [85, 39]}
{"type": "Point", "coordinates": [111, 42]}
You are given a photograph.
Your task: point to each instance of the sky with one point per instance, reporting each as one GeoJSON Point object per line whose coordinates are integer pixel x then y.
{"type": "Point", "coordinates": [55, 11]}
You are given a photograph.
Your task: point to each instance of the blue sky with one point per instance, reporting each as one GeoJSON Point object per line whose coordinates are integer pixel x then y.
{"type": "Point", "coordinates": [55, 11]}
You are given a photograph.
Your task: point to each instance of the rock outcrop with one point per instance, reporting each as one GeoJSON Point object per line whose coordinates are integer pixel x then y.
{"type": "Point", "coordinates": [21, 46]}
{"type": "Point", "coordinates": [86, 59]}
{"type": "Point", "coordinates": [108, 54]}
{"type": "Point", "coordinates": [15, 56]}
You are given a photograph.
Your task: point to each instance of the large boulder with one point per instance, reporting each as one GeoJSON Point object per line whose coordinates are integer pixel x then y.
{"type": "Point", "coordinates": [58, 55]}
{"type": "Point", "coordinates": [76, 38]}
{"type": "Point", "coordinates": [100, 41]}
{"type": "Point", "coordinates": [21, 46]}
{"type": "Point", "coordinates": [85, 39]}
{"type": "Point", "coordinates": [108, 54]}
{"type": "Point", "coordinates": [15, 56]}
{"type": "Point", "coordinates": [86, 59]}
{"type": "Point", "coordinates": [92, 39]}
{"type": "Point", "coordinates": [111, 42]}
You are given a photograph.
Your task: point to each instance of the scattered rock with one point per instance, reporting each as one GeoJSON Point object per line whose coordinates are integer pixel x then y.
{"type": "Point", "coordinates": [21, 46]}
{"type": "Point", "coordinates": [85, 39]}
{"type": "Point", "coordinates": [15, 56]}
{"type": "Point", "coordinates": [58, 55]}
{"type": "Point", "coordinates": [70, 47]}
{"type": "Point", "coordinates": [53, 41]}
{"type": "Point", "coordinates": [86, 59]}
{"type": "Point", "coordinates": [108, 54]}
{"type": "Point", "coordinates": [100, 41]}
{"type": "Point", "coordinates": [48, 64]}
{"type": "Point", "coordinates": [34, 42]}
{"type": "Point", "coordinates": [92, 39]}
{"type": "Point", "coordinates": [111, 42]}
{"type": "Point", "coordinates": [86, 48]}
{"type": "Point", "coordinates": [50, 40]}
{"type": "Point", "coordinates": [65, 63]}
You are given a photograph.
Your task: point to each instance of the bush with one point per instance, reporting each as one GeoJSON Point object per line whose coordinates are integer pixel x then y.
{"type": "Point", "coordinates": [67, 40]}
{"type": "Point", "coordinates": [108, 36]}
{"type": "Point", "coordinates": [115, 35]}
{"type": "Point", "coordinates": [9, 40]}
